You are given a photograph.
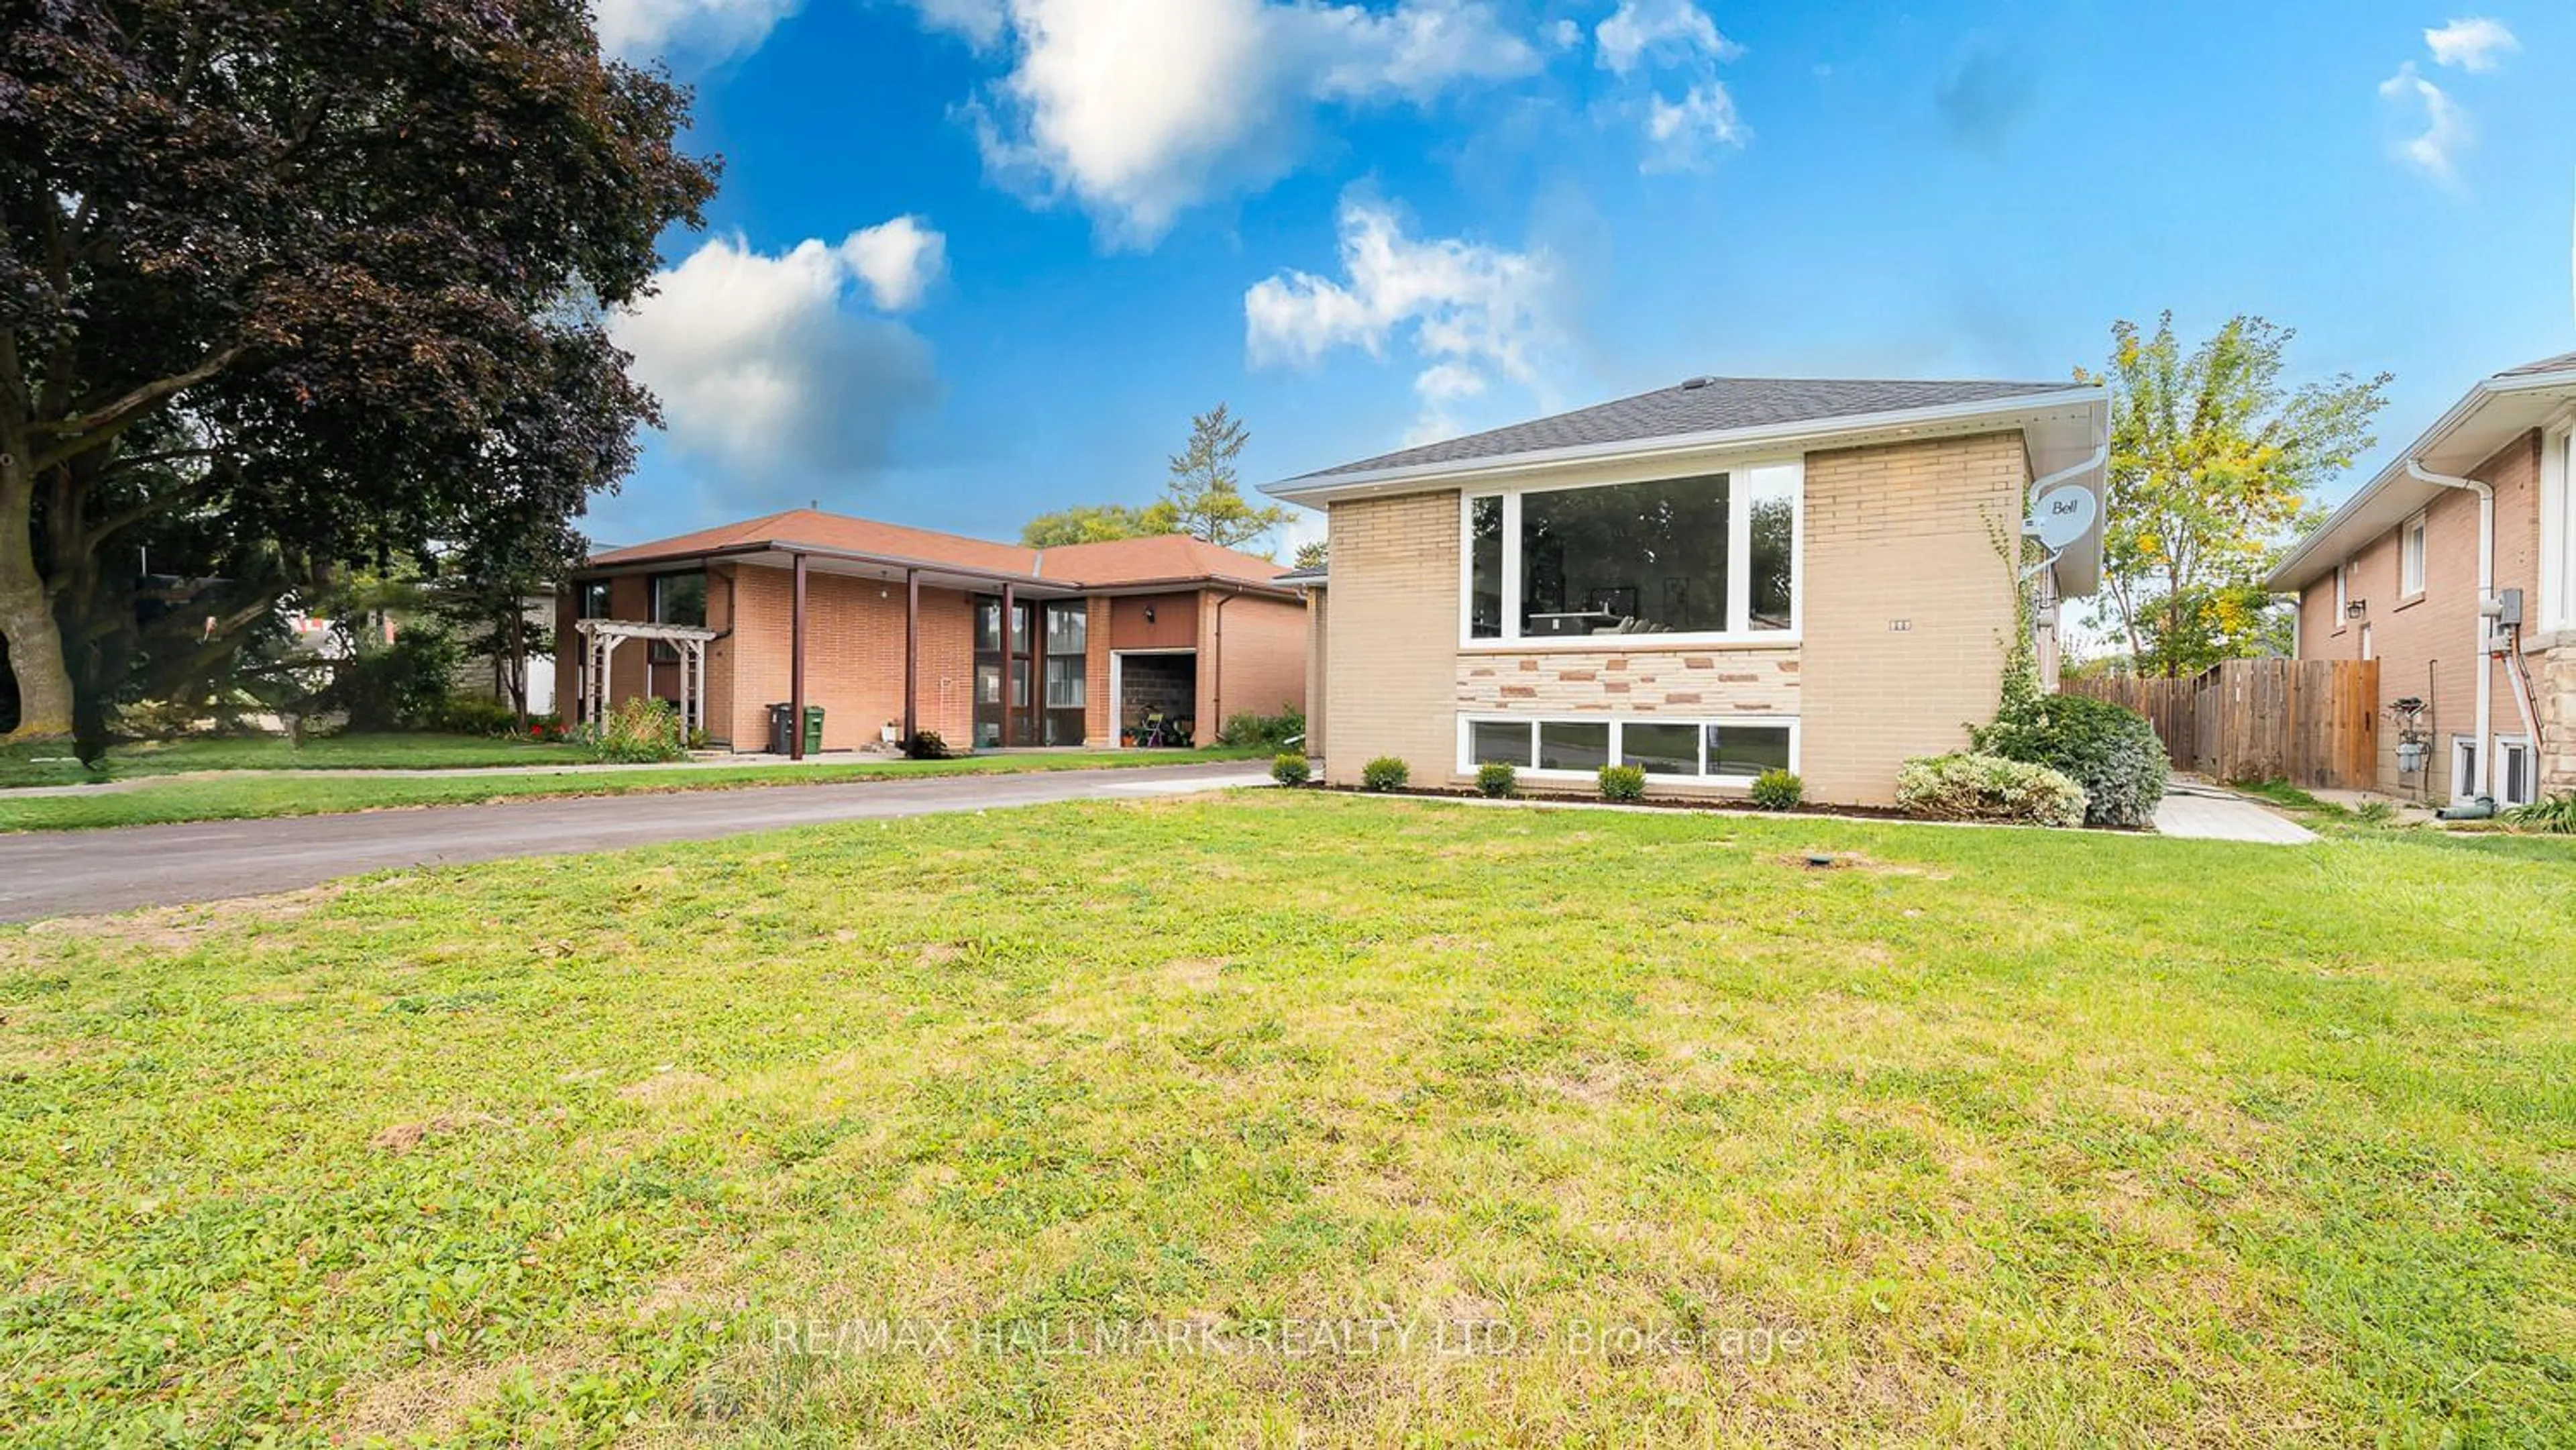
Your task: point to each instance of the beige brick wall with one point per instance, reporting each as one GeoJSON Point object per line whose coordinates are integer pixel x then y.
{"type": "Point", "coordinates": [1391, 674]}
{"type": "Point", "coordinates": [1904, 533]}
{"type": "Point", "coordinates": [2428, 642]}
{"type": "Point", "coordinates": [1892, 533]}
{"type": "Point", "coordinates": [1319, 645]}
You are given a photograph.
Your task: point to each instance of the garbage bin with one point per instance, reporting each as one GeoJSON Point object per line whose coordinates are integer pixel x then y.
{"type": "Point", "coordinates": [782, 739]}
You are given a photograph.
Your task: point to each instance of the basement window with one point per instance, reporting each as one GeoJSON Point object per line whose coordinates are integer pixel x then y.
{"type": "Point", "coordinates": [1726, 751]}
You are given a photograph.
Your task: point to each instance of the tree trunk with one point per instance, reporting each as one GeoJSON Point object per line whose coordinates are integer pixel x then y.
{"type": "Point", "coordinates": [35, 641]}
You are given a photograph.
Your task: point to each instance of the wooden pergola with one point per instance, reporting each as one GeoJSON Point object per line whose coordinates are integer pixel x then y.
{"type": "Point", "coordinates": [599, 641]}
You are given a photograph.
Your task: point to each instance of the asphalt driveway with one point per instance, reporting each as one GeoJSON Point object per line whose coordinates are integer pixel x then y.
{"type": "Point", "coordinates": [75, 873]}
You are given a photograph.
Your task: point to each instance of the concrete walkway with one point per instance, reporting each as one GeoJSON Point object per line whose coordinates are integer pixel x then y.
{"type": "Point", "coordinates": [65, 873]}
{"type": "Point", "coordinates": [2210, 813]}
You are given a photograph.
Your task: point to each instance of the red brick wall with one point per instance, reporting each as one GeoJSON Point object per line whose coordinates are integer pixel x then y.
{"type": "Point", "coordinates": [2430, 641]}
{"type": "Point", "coordinates": [1262, 659]}
{"type": "Point", "coordinates": [854, 633]}
{"type": "Point", "coordinates": [1099, 712]}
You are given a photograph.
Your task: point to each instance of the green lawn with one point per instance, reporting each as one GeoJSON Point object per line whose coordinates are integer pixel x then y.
{"type": "Point", "coordinates": [2003, 1137]}
{"type": "Point", "coordinates": [273, 752]}
{"type": "Point", "coordinates": [248, 794]}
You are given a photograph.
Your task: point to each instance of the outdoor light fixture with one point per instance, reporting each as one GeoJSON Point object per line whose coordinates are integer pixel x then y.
{"type": "Point", "coordinates": [1149, 614]}
{"type": "Point", "coordinates": [2356, 609]}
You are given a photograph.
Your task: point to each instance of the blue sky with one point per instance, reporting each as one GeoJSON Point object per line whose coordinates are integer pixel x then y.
{"type": "Point", "coordinates": [977, 259]}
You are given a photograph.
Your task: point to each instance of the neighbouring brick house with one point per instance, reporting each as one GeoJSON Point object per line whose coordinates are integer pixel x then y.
{"type": "Point", "coordinates": [899, 629]}
{"type": "Point", "coordinates": [2455, 568]}
{"type": "Point", "coordinates": [1708, 580]}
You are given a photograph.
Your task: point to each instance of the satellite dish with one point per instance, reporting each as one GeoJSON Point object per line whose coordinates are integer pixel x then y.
{"type": "Point", "coordinates": [2063, 515]}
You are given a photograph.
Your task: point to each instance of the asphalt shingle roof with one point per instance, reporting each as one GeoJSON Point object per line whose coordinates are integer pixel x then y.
{"type": "Point", "coordinates": [2564, 362]}
{"type": "Point", "coordinates": [1702, 405]}
{"type": "Point", "coordinates": [1111, 564]}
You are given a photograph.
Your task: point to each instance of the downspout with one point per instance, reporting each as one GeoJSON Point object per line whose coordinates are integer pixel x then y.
{"type": "Point", "coordinates": [1216, 696]}
{"type": "Point", "coordinates": [2486, 593]}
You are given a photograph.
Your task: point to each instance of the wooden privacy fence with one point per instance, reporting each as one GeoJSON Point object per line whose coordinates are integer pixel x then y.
{"type": "Point", "coordinates": [2313, 723]}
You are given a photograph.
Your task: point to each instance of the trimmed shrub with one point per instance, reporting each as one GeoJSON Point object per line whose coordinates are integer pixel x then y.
{"type": "Point", "coordinates": [926, 745]}
{"type": "Point", "coordinates": [1623, 782]}
{"type": "Point", "coordinates": [1289, 767]}
{"type": "Point", "coordinates": [1266, 732]}
{"type": "Point", "coordinates": [477, 715]}
{"type": "Point", "coordinates": [1778, 790]}
{"type": "Point", "coordinates": [2109, 750]}
{"type": "Point", "coordinates": [1497, 778]}
{"type": "Point", "coordinates": [1385, 773]}
{"type": "Point", "coordinates": [638, 730]}
{"type": "Point", "coordinates": [1967, 787]}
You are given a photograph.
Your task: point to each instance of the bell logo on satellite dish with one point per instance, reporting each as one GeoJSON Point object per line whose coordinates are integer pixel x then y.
{"type": "Point", "coordinates": [2062, 516]}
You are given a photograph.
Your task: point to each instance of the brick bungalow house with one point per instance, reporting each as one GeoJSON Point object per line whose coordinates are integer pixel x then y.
{"type": "Point", "coordinates": [893, 630]}
{"type": "Point", "coordinates": [2455, 568]}
{"type": "Point", "coordinates": [1707, 580]}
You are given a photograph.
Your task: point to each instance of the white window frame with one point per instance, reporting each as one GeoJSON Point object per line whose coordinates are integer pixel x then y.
{"type": "Point", "coordinates": [2343, 578]}
{"type": "Point", "coordinates": [2464, 782]}
{"type": "Point", "coordinates": [2504, 776]}
{"type": "Point", "coordinates": [2410, 558]}
{"type": "Point", "coordinates": [2558, 526]}
{"type": "Point", "coordinates": [1743, 480]}
{"type": "Point", "coordinates": [1467, 721]}
{"type": "Point", "coordinates": [2367, 647]}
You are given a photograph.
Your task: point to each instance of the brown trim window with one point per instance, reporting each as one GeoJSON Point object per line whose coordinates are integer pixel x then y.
{"type": "Point", "coordinates": [1068, 640]}
{"type": "Point", "coordinates": [678, 599]}
{"type": "Point", "coordinates": [593, 600]}
{"type": "Point", "coordinates": [1061, 630]}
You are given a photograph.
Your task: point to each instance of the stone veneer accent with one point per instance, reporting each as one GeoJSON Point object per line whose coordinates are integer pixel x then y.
{"type": "Point", "coordinates": [2553, 678]}
{"type": "Point", "coordinates": [1682, 682]}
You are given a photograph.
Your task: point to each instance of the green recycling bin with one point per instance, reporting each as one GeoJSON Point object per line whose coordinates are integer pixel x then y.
{"type": "Point", "coordinates": [782, 742]}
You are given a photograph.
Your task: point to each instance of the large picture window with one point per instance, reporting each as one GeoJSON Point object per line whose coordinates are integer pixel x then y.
{"type": "Point", "coordinates": [1709, 556]}
{"type": "Point", "coordinates": [1726, 751]}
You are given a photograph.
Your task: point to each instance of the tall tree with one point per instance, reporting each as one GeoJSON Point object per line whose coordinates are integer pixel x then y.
{"type": "Point", "coordinates": [2214, 467]}
{"type": "Point", "coordinates": [1093, 523]}
{"type": "Point", "coordinates": [292, 284]}
{"type": "Point", "coordinates": [1205, 495]}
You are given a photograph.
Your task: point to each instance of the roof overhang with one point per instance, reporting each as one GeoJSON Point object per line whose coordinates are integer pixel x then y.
{"type": "Point", "coordinates": [2064, 431]}
{"type": "Point", "coordinates": [934, 574]}
{"type": "Point", "coordinates": [2492, 414]}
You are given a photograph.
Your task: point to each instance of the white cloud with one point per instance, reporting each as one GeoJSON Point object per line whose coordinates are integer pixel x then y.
{"type": "Point", "coordinates": [1681, 134]}
{"type": "Point", "coordinates": [1460, 307]}
{"type": "Point", "coordinates": [2472, 45]}
{"type": "Point", "coordinates": [766, 369]}
{"type": "Point", "coordinates": [1665, 31]}
{"type": "Point", "coordinates": [700, 30]}
{"type": "Point", "coordinates": [978, 21]}
{"type": "Point", "coordinates": [2447, 131]}
{"type": "Point", "coordinates": [1139, 112]}
{"type": "Point", "coordinates": [899, 260]}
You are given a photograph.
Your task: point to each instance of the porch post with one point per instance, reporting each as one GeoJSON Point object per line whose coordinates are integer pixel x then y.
{"type": "Point", "coordinates": [912, 654]}
{"type": "Point", "coordinates": [796, 668]}
{"type": "Point", "coordinates": [1010, 611]}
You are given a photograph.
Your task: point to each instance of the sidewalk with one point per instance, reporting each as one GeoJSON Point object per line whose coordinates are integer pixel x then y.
{"type": "Point", "coordinates": [2194, 810]}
